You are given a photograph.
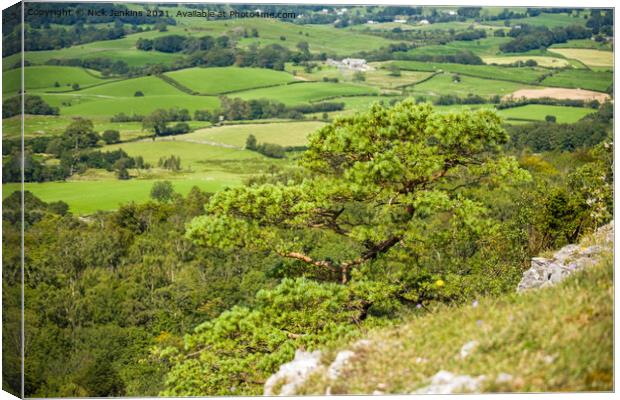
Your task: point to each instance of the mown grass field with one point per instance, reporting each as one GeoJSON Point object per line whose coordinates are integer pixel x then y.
{"type": "Point", "coordinates": [306, 92]}
{"type": "Point", "coordinates": [443, 84]}
{"type": "Point", "coordinates": [558, 339]}
{"type": "Point", "coordinates": [538, 112]}
{"type": "Point", "coordinates": [550, 62]}
{"type": "Point", "coordinates": [590, 57]}
{"type": "Point", "coordinates": [44, 78]}
{"type": "Point", "coordinates": [284, 134]}
{"type": "Point", "coordinates": [228, 79]}
{"type": "Point", "coordinates": [583, 79]}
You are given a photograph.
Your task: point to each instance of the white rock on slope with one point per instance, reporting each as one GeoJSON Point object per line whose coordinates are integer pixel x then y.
{"type": "Point", "coordinates": [293, 374]}
{"type": "Point", "coordinates": [549, 271]}
{"type": "Point", "coordinates": [342, 359]}
{"type": "Point", "coordinates": [445, 382]}
{"type": "Point", "coordinates": [468, 348]}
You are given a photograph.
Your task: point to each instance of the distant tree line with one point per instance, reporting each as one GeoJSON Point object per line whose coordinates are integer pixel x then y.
{"type": "Point", "coordinates": [529, 37]}
{"type": "Point", "coordinates": [33, 105]}
{"type": "Point", "coordinates": [548, 136]}
{"type": "Point", "coordinates": [44, 33]}
{"type": "Point", "coordinates": [236, 109]}
{"type": "Point", "coordinates": [450, 99]}
{"type": "Point", "coordinates": [105, 65]}
{"type": "Point", "coordinates": [157, 122]}
{"type": "Point", "coordinates": [209, 51]}
{"type": "Point", "coordinates": [267, 149]}
{"type": "Point", "coordinates": [601, 22]}
{"type": "Point", "coordinates": [548, 101]}
{"type": "Point", "coordinates": [460, 57]}
{"type": "Point", "coordinates": [74, 149]}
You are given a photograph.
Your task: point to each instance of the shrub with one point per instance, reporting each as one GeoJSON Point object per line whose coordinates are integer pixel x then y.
{"type": "Point", "coordinates": [111, 136]}
{"type": "Point", "coordinates": [162, 191]}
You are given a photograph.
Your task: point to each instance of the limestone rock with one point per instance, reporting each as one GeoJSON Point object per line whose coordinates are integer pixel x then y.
{"type": "Point", "coordinates": [545, 272]}
{"type": "Point", "coordinates": [293, 374]}
{"type": "Point", "coordinates": [503, 378]}
{"type": "Point", "coordinates": [335, 368]}
{"type": "Point", "coordinates": [445, 382]}
{"type": "Point", "coordinates": [468, 348]}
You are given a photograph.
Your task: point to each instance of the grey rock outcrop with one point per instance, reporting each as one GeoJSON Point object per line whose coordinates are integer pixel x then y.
{"type": "Point", "coordinates": [293, 374]}
{"type": "Point", "coordinates": [569, 259]}
{"type": "Point", "coordinates": [335, 369]}
{"type": "Point", "coordinates": [445, 382]}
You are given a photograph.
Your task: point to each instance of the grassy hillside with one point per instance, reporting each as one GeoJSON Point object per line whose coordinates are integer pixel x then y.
{"type": "Point", "coordinates": [46, 78]}
{"type": "Point", "coordinates": [148, 85]}
{"type": "Point", "coordinates": [306, 92]}
{"type": "Point", "coordinates": [488, 46]}
{"type": "Point", "coordinates": [549, 62]}
{"type": "Point", "coordinates": [555, 339]}
{"type": "Point", "coordinates": [228, 79]}
{"type": "Point", "coordinates": [321, 38]}
{"type": "Point", "coordinates": [523, 74]}
{"type": "Point", "coordinates": [284, 134]}
{"type": "Point", "coordinates": [444, 84]}
{"type": "Point", "coordinates": [583, 79]}
{"type": "Point", "coordinates": [86, 105]}
{"type": "Point", "coordinates": [90, 196]}
{"type": "Point", "coordinates": [590, 57]}
{"type": "Point", "coordinates": [545, 19]}
{"type": "Point", "coordinates": [538, 112]}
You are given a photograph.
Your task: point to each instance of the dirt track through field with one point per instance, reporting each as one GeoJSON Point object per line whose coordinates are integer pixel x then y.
{"type": "Point", "coordinates": [558, 93]}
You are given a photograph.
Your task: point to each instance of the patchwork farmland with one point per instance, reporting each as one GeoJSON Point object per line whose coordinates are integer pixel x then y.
{"type": "Point", "coordinates": [295, 96]}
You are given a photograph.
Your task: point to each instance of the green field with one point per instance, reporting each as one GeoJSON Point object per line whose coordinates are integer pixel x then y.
{"type": "Point", "coordinates": [593, 80]}
{"type": "Point", "coordinates": [488, 46]}
{"type": "Point", "coordinates": [306, 92]}
{"type": "Point", "coordinates": [443, 84]}
{"type": "Point", "coordinates": [103, 105]}
{"type": "Point", "coordinates": [89, 196]}
{"type": "Point", "coordinates": [48, 125]}
{"type": "Point", "coordinates": [538, 112]}
{"type": "Point", "coordinates": [44, 78]}
{"type": "Point", "coordinates": [321, 38]}
{"type": "Point", "coordinates": [378, 77]}
{"type": "Point", "coordinates": [582, 44]}
{"type": "Point", "coordinates": [228, 79]}
{"type": "Point", "coordinates": [527, 75]}
{"type": "Point", "coordinates": [550, 62]}
{"type": "Point", "coordinates": [148, 85]}
{"type": "Point", "coordinates": [545, 19]}
{"type": "Point", "coordinates": [284, 134]}
{"type": "Point", "coordinates": [119, 49]}
{"type": "Point", "coordinates": [194, 156]}
{"type": "Point", "coordinates": [382, 79]}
